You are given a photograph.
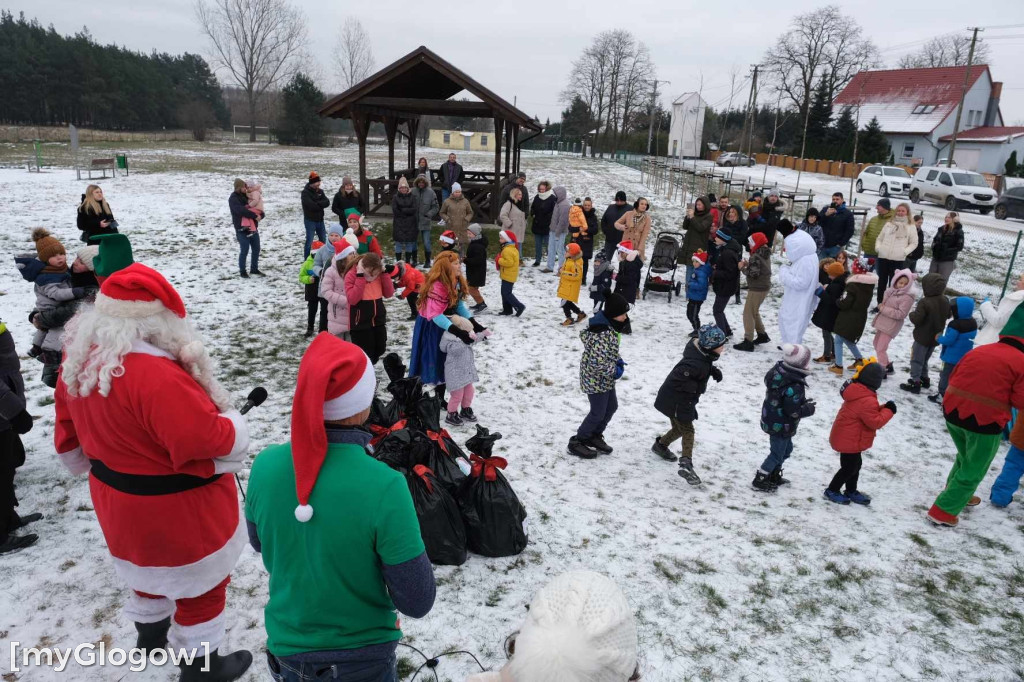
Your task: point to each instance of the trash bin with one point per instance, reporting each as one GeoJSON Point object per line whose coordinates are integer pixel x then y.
{"type": "Point", "coordinates": [121, 161]}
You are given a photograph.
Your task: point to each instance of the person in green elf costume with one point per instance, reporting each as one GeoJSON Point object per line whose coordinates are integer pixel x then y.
{"type": "Point", "coordinates": [337, 530]}
{"type": "Point", "coordinates": [983, 388]}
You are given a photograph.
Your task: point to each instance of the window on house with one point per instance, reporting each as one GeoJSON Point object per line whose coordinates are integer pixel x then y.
{"type": "Point", "coordinates": [483, 140]}
{"type": "Point", "coordinates": [908, 150]}
{"type": "Point", "coordinates": [923, 109]}
{"type": "Point", "coordinates": [919, 109]}
{"type": "Point", "coordinates": [447, 138]}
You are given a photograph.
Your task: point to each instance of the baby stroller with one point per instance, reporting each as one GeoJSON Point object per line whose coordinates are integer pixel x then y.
{"type": "Point", "coordinates": [661, 272]}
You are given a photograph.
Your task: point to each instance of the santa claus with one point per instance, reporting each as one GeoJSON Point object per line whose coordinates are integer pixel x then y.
{"type": "Point", "coordinates": [139, 409]}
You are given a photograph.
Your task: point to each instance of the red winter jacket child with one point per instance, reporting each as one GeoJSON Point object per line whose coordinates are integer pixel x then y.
{"type": "Point", "coordinates": [858, 419]}
{"type": "Point", "coordinates": [410, 279]}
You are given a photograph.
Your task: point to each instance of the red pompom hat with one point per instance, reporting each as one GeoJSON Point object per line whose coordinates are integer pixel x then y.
{"type": "Point", "coordinates": [757, 240]}
{"type": "Point", "coordinates": [448, 237]}
{"type": "Point", "coordinates": [138, 291]}
{"type": "Point", "coordinates": [336, 381]}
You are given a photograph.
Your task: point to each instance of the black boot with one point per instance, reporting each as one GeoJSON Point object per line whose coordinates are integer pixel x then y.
{"type": "Point", "coordinates": [222, 668]}
{"type": "Point", "coordinates": [687, 472]}
{"type": "Point", "coordinates": [761, 338]}
{"type": "Point", "coordinates": [152, 636]}
{"type": "Point", "coordinates": [763, 482]}
{"type": "Point", "coordinates": [662, 451]}
{"type": "Point", "coordinates": [912, 386]}
{"type": "Point", "coordinates": [15, 542]}
{"type": "Point", "coordinates": [51, 366]}
{"type": "Point", "coordinates": [581, 449]}
{"type": "Point", "coordinates": [889, 369]}
{"type": "Point", "coordinates": [597, 442]}
{"type": "Point", "coordinates": [926, 382]}
{"type": "Point", "coordinates": [439, 394]}
{"type": "Point", "coordinates": [27, 519]}
{"type": "Point", "coordinates": [745, 345]}
{"type": "Point", "coordinates": [776, 477]}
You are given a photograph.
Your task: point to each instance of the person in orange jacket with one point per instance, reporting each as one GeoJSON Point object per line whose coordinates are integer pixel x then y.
{"type": "Point", "coordinates": [409, 279]}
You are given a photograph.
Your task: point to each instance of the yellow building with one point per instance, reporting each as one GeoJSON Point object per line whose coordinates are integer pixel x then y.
{"type": "Point", "coordinates": [462, 140]}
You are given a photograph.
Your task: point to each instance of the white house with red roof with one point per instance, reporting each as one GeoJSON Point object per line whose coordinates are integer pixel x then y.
{"type": "Point", "coordinates": [916, 109]}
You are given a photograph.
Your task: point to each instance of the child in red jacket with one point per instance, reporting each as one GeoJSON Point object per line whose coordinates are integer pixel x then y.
{"type": "Point", "coordinates": [409, 279]}
{"type": "Point", "coordinates": [853, 431]}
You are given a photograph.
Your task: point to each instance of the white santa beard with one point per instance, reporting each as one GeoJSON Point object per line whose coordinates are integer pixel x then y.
{"type": "Point", "coordinates": [96, 344]}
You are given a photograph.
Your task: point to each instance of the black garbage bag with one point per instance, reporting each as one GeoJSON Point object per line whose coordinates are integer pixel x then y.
{"type": "Point", "coordinates": [397, 451]}
{"type": "Point", "coordinates": [493, 515]}
{"type": "Point", "coordinates": [426, 413]}
{"type": "Point", "coordinates": [406, 394]}
{"type": "Point", "coordinates": [436, 450]}
{"type": "Point", "coordinates": [383, 419]}
{"type": "Point", "coordinates": [394, 367]}
{"type": "Point", "coordinates": [444, 534]}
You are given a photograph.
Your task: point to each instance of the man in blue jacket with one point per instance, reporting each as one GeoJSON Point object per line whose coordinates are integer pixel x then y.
{"type": "Point", "coordinates": [837, 225]}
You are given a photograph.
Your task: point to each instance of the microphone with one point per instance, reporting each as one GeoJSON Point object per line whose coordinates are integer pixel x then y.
{"type": "Point", "coordinates": [255, 399]}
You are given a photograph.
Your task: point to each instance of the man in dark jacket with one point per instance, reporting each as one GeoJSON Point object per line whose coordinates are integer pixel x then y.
{"type": "Point", "coordinates": [612, 214]}
{"type": "Point", "coordinates": [726, 278]}
{"type": "Point", "coordinates": [14, 422]}
{"type": "Point", "coordinates": [314, 201]}
{"type": "Point", "coordinates": [520, 182]}
{"type": "Point", "coordinates": [451, 172]}
{"type": "Point", "coordinates": [238, 204]}
{"type": "Point", "coordinates": [405, 223]}
{"type": "Point", "coordinates": [837, 226]}
{"type": "Point", "coordinates": [346, 198]}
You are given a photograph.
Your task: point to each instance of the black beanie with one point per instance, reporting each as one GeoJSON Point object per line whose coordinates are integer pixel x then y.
{"type": "Point", "coordinates": [884, 203]}
{"type": "Point", "coordinates": [615, 305]}
{"type": "Point", "coordinates": [871, 375]}
{"type": "Point", "coordinates": [620, 196]}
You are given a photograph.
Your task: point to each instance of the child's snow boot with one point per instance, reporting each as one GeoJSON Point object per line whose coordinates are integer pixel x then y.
{"type": "Point", "coordinates": [937, 399]}
{"type": "Point", "coordinates": [833, 496]}
{"type": "Point", "coordinates": [776, 477]}
{"type": "Point", "coordinates": [926, 382]}
{"type": "Point", "coordinates": [580, 449]}
{"type": "Point", "coordinates": [662, 451]}
{"type": "Point", "coordinates": [687, 472]}
{"type": "Point", "coordinates": [762, 482]}
{"type": "Point", "coordinates": [454, 419]}
{"type": "Point", "coordinates": [598, 443]}
{"type": "Point", "coordinates": [889, 369]}
{"type": "Point", "coordinates": [467, 415]}
{"type": "Point", "coordinates": [858, 497]}
{"type": "Point", "coordinates": [581, 317]}
{"type": "Point", "coordinates": [761, 338]}
{"type": "Point", "coordinates": [567, 322]}
{"type": "Point", "coordinates": [823, 359]}
{"type": "Point", "coordinates": [912, 386]}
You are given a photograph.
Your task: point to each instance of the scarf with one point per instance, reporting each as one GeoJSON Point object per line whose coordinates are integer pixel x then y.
{"type": "Point", "coordinates": [545, 195]}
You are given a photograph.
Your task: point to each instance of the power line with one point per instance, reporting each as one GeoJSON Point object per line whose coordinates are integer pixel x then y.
{"type": "Point", "coordinates": [996, 27]}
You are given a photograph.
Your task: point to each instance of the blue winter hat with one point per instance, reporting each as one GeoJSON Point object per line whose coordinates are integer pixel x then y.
{"type": "Point", "coordinates": [724, 233]}
{"type": "Point", "coordinates": [710, 337]}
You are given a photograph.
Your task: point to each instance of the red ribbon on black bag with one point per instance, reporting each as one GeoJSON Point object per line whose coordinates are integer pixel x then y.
{"type": "Point", "coordinates": [381, 432]}
{"type": "Point", "coordinates": [487, 465]}
{"type": "Point", "coordinates": [440, 437]}
{"type": "Point", "coordinates": [422, 472]}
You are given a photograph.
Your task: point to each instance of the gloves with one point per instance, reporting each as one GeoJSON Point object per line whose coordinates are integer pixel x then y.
{"type": "Point", "coordinates": [460, 334]}
{"type": "Point", "coordinates": [620, 367]}
{"type": "Point", "coordinates": [891, 405]}
{"type": "Point", "coordinates": [716, 374]}
{"type": "Point", "coordinates": [819, 291]}
{"type": "Point", "coordinates": [807, 409]}
{"type": "Point", "coordinates": [78, 292]}
{"type": "Point", "coordinates": [477, 327]}
{"type": "Point", "coordinates": [22, 422]}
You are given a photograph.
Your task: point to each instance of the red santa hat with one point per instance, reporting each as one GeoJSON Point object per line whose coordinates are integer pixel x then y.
{"type": "Point", "coordinates": [507, 236]}
{"type": "Point", "coordinates": [625, 246]}
{"type": "Point", "coordinates": [448, 237]}
{"type": "Point", "coordinates": [343, 249]}
{"type": "Point", "coordinates": [860, 266]}
{"type": "Point", "coordinates": [336, 381]}
{"type": "Point", "coordinates": [700, 255]}
{"type": "Point", "coordinates": [138, 291]}
{"type": "Point", "coordinates": [757, 240]}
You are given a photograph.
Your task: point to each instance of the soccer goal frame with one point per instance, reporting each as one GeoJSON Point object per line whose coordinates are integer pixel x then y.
{"type": "Point", "coordinates": [235, 129]}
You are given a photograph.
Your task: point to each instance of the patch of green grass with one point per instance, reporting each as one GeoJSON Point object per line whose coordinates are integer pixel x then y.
{"type": "Point", "coordinates": [918, 540]}
{"type": "Point", "coordinates": [45, 400]}
{"type": "Point", "coordinates": [842, 577]}
{"type": "Point", "coordinates": [715, 602]}
{"type": "Point", "coordinates": [405, 667]}
{"type": "Point", "coordinates": [495, 595]}
{"type": "Point", "coordinates": [667, 572]}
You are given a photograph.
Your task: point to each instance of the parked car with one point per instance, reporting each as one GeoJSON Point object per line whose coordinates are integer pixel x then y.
{"type": "Point", "coordinates": [952, 188]}
{"type": "Point", "coordinates": [734, 159]}
{"type": "Point", "coordinates": [885, 180]}
{"type": "Point", "coordinates": [1011, 204]}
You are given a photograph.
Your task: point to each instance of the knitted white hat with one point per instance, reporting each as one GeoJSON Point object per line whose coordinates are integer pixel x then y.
{"type": "Point", "coordinates": [796, 355]}
{"type": "Point", "coordinates": [456, 187]}
{"type": "Point", "coordinates": [86, 254]}
{"type": "Point", "coordinates": [580, 628]}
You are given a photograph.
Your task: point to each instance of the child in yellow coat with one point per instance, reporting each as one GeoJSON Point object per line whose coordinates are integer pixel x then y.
{"type": "Point", "coordinates": [507, 261]}
{"type": "Point", "coordinates": [569, 279]}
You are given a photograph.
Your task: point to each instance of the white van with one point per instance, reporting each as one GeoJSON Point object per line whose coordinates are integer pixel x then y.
{"type": "Point", "coordinates": [953, 188]}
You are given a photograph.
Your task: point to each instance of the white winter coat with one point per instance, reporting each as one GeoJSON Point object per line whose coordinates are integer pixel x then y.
{"type": "Point", "coordinates": [995, 318]}
{"type": "Point", "coordinates": [897, 240]}
{"type": "Point", "coordinates": [799, 280]}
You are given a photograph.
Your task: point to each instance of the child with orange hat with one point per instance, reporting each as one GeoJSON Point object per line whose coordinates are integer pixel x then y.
{"type": "Point", "coordinates": [569, 279]}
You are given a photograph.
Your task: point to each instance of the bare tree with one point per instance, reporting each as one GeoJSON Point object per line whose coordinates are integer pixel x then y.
{"type": "Point", "coordinates": [945, 50]}
{"type": "Point", "coordinates": [255, 41]}
{"type": "Point", "coordinates": [819, 43]}
{"type": "Point", "coordinates": [353, 60]}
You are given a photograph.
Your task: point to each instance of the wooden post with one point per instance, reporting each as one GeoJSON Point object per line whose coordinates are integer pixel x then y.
{"type": "Point", "coordinates": [515, 149]}
{"type": "Point", "coordinates": [496, 187]}
{"type": "Point", "coordinates": [390, 129]}
{"type": "Point", "coordinates": [414, 127]}
{"type": "Point", "coordinates": [508, 145]}
{"type": "Point", "coordinates": [361, 124]}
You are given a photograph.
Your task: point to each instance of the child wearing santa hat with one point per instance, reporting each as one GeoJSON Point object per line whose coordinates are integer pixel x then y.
{"type": "Point", "coordinates": [322, 501]}
{"type": "Point", "coordinates": [449, 241]}
{"type": "Point", "coordinates": [409, 279]}
{"type": "Point", "coordinates": [697, 289]}
{"type": "Point", "coordinates": [758, 269]}
{"type": "Point", "coordinates": [627, 279]}
{"type": "Point", "coordinates": [507, 261]}
{"type": "Point", "coordinates": [785, 404]}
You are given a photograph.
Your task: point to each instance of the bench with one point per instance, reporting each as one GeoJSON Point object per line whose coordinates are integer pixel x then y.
{"type": "Point", "coordinates": [102, 165]}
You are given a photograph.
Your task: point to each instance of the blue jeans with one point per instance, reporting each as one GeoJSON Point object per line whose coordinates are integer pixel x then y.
{"type": "Point", "coordinates": [288, 670]}
{"type": "Point", "coordinates": [1009, 478]}
{"type": "Point", "coordinates": [602, 408]}
{"type": "Point", "coordinates": [509, 302]}
{"type": "Point", "coordinates": [425, 236]}
{"type": "Point", "coordinates": [405, 247]}
{"type": "Point", "coordinates": [556, 250]}
{"type": "Point", "coordinates": [246, 242]}
{"type": "Point", "coordinates": [839, 342]}
{"type": "Point", "coordinates": [779, 450]}
{"type": "Point", "coordinates": [445, 193]}
{"type": "Point", "coordinates": [539, 241]}
{"type": "Point", "coordinates": [313, 227]}
{"type": "Point", "coordinates": [830, 251]}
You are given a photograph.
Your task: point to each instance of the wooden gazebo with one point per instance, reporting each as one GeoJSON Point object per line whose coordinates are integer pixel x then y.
{"type": "Point", "coordinates": [419, 84]}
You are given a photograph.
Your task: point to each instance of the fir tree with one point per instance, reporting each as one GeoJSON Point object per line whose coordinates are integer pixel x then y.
{"type": "Point", "coordinates": [818, 119]}
{"type": "Point", "coordinates": [1011, 168]}
{"type": "Point", "coordinates": [577, 120]}
{"type": "Point", "coordinates": [841, 136]}
{"type": "Point", "coordinates": [873, 143]}
{"type": "Point", "coordinates": [300, 124]}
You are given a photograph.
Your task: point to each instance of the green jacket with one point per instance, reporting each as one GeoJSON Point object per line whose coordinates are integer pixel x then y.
{"type": "Point", "coordinates": [306, 273]}
{"type": "Point", "coordinates": [875, 225]}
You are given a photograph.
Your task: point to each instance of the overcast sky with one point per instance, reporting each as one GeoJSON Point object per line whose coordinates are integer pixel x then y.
{"type": "Point", "coordinates": [524, 50]}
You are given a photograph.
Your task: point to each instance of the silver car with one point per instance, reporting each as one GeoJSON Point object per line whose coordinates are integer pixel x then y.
{"type": "Point", "coordinates": [734, 159]}
{"type": "Point", "coordinates": [953, 188]}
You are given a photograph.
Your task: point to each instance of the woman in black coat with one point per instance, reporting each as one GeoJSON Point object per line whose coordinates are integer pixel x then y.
{"type": "Point", "coordinates": [947, 245]}
{"type": "Point", "coordinates": [476, 265]}
{"type": "Point", "coordinates": [94, 215]}
{"type": "Point", "coordinates": [405, 221]}
{"type": "Point", "coordinates": [725, 280]}
{"type": "Point", "coordinates": [541, 210]}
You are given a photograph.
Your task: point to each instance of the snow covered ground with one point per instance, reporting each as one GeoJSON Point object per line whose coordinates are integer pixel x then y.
{"type": "Point", "coordinates": [727, 583]}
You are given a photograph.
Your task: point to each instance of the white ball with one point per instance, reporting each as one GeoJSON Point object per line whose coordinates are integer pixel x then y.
{"type": "Point", "coordinates": [303, 513]}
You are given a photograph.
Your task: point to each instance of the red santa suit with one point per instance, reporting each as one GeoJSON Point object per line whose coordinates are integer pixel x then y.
{"type": "Point", "coordinates": [159, 453]}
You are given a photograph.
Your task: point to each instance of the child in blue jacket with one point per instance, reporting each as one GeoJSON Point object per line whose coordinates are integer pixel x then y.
{"type": "Point", "coordinates": [785, 404]}
{"type": "Point", "coordinates": [697, 289]}
{"type": "Point", "coordinates": [957, 340]}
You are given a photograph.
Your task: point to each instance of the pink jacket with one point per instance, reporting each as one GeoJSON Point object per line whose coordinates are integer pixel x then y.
{"type": "Point", "coordinates": [332, 288]}
{"type": "Point", "coordinates": [255, 194]}
{"type": "Point", "coordinates": [437, 301]}
{"type": "Point", "coordinates": [895, 306]}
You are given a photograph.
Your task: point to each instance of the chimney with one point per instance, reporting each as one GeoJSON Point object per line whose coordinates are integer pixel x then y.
{"type": "Point", "coordinates": [993, 104]}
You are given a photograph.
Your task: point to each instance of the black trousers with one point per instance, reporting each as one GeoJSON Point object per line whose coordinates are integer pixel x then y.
{"type": "Point", "coordinates": [721, 301]}
{"type": "Point", "coordinates": [693, 313]}
{"type": "Point", "coordinates": [373, 341]}
{"type": "Point", "coordinates": [412, 299]}
{"type": "Point", "coordinates": [12, 456]}
{"type": "Point", "coordinates": [885, 270]}
{"type": "Point", "coordinates": [570, 309]}
{"type": "Point", "coordinates": [588, 252]}
{"type": "Point", "coordinates": [849, 472]}
{"type": "Point", "coordinates": [323, 315]}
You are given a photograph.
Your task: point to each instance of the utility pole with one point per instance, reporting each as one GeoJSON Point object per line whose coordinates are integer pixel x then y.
{"type": "Point", "coordinates": [654, 103]}
{"type": "Point", "coordinates": [746, 111]}
{"type": "Point", "coordinates": [753, 110]}
{"type": "Point", "coordinates": [963, 94]}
